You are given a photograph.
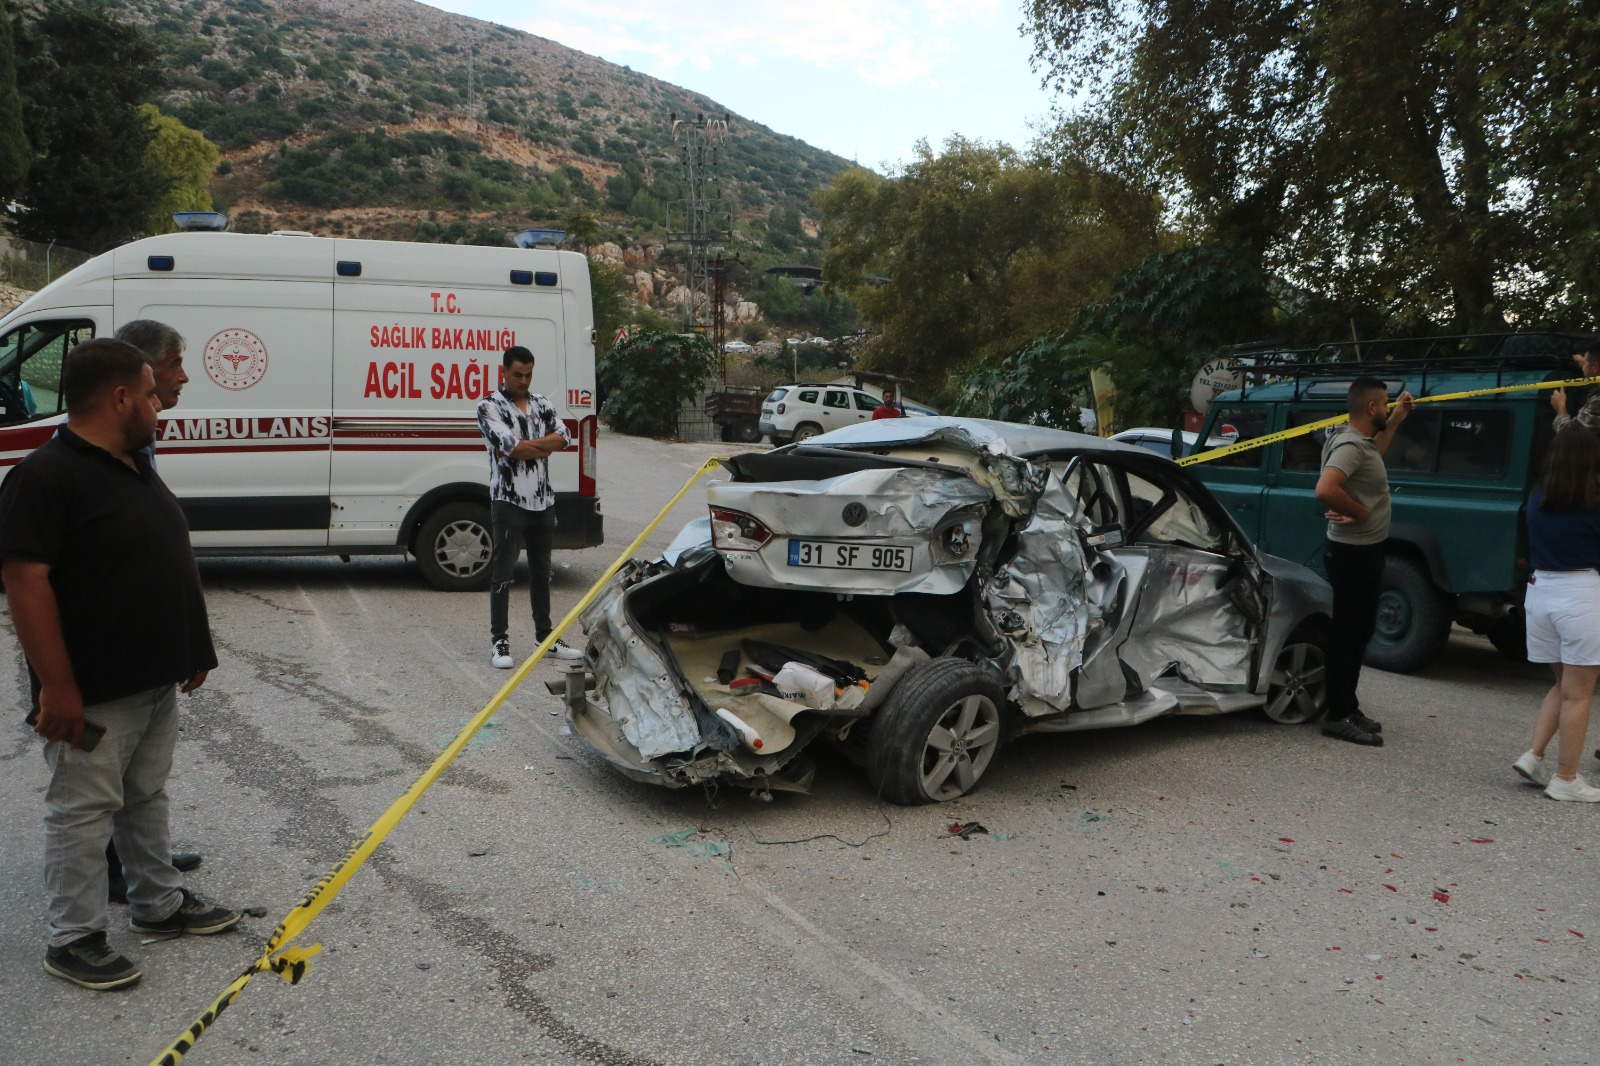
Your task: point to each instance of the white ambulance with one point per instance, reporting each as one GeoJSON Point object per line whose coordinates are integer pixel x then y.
{"type": "Point", "coordinates": [333, 386]}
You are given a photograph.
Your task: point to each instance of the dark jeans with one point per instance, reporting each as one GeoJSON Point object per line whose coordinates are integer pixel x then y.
{"type": "Point", "coordinates": [1354, 571]}
{"type": "Point", "coordinates": [514, 529]}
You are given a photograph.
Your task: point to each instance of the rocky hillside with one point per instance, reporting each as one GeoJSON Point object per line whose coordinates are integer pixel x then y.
{"type": "Point", "coordinates": [389, 118]}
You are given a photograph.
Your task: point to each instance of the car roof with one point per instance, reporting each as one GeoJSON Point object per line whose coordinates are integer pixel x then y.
{"type": "Point", "coordinates": [1013, 438]}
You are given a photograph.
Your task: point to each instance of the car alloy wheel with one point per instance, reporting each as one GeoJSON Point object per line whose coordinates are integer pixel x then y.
{"type": "Point", "coordinates": [1299, 687]}
{"type": "Point", "coordinates": [938, 733]}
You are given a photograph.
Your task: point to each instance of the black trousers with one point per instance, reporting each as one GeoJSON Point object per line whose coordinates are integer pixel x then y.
{"type": "Point", "coordinates": [1354, 571]}
{"type": "Point", "coordinates": [513, 529]}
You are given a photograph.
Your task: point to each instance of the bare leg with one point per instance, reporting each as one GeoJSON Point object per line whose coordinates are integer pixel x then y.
{"type": "Point", "coordinates": [1577, 690]}
{"type": "Point", "coordinates": [1544, 727]}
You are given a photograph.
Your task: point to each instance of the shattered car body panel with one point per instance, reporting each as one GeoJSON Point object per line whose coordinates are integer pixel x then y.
{"type": "Point", "coordinates": [1071, 582]}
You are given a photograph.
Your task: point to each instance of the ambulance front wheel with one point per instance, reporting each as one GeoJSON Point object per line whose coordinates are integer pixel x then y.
{"type": "Point", "coordinates": [453, 548]}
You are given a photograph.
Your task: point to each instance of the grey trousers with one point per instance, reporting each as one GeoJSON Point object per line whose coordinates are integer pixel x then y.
{"type": "Point", "coordinates": [116, 792]}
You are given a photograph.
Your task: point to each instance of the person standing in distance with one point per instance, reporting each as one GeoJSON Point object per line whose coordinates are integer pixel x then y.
{"type": "Point", "coordinates": [163, 350]}
{"type": "Point", "coordinates": [1562, 607]}
{"type": "Point", "coordinates": [1588, 415]}
{"type": "Point", "coordinates": [1354, 486]}
{"type": "Point", "coordinates": [888, 409]}
{"type": "Point", "coordinates": [105, 597]}
{"type": "Point", "coordinates": [521, 431]}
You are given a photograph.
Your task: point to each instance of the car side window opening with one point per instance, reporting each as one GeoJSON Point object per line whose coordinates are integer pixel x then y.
{"type": "Point", "coordinates": [866, 403]}
{"type": "Point", "coordinates": [1168, 514]}
{"type": "Point", "coordinates": [1240, 424]}
{"type": "Point", "coordinates": [30, 367]}
{"type": "Point", "coordinates": [835, 398]}
{"type": "Point", "coordinates": [1089, 485]}
{"type": "Point", "coordinates": [808, 396]}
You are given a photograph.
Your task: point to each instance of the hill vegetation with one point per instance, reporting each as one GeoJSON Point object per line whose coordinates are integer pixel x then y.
{"type": "Point", "coordinates": [375, 117]}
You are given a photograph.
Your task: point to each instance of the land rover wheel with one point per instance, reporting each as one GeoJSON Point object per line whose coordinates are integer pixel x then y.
{"type": "Point", "coordinates": [806, 430]}
{"type": "Point", "coordinates": [1298, 691]}
{"type": "Point", "coordinates": [453, 548]}
{"type": "Point", "coordinates": [937, 734]}
{"type": "Point", "coordinates": [1413, 618]}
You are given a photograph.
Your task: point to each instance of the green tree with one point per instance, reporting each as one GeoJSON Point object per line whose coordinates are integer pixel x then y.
{"type": "Point", "coordinates": [609, 287]}
{"type": "Point", "coordinates": [187, 160]}
{"type": "Point", "coordinates": [648, 377]}
{"type": "Point", "coordinates": [13, 139]}
{"type": "Point", "coordinates": [583, 229]}
{"type": "Point", "coordinates": [1430, 161]}
{"type": "Point", "coordinates": [83, 75]}
{"type": "Point", "coordinates": [973, 253]}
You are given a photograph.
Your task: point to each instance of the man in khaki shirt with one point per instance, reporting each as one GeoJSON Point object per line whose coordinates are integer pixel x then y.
{"type": "Point", "coordinates": [1354, 486]}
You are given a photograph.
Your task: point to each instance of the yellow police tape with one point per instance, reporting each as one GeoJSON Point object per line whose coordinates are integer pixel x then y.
{"type": "Point", "coordinates": [1338, 420]}
{"type": "Point", "coordinates": [292, 963]}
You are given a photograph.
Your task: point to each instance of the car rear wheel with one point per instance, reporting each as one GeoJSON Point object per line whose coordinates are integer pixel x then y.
{"type": "Point", "coordinates": [1298, 691]}
{"type": "Point", "coordinates": [937, 734]}
{"type": "Point", "coordinates": [1413, 618]}
{"type": "Point", "coordinates": [806, 430]}
{"type": "Point", "coordinates": [453, 548]}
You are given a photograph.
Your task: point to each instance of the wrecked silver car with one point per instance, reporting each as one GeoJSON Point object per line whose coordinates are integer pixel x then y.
{"type": "Point", "coordinates": [922, 592]}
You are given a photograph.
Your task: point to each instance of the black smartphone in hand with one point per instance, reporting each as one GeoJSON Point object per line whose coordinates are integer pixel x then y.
{"type": "Point", "coordinates": [92, 731]}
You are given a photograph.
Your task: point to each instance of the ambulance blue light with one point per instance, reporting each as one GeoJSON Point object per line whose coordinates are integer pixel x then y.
{"type": "Point", "coordinates": [522, 277]}
{"type": "Point", "coordinates": [161, 262]}
{"type": "Point", "coordinates": [545, 277]}
{"type": "Point", "coordinates": [349, 269]}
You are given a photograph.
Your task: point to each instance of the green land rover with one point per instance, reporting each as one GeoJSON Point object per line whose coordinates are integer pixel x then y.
{"type": "Point", "coordinates": [1460, 472]}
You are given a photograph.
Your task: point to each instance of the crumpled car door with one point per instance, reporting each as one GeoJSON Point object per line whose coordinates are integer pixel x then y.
{"type": "Point", "coordinates": [1196, 594]}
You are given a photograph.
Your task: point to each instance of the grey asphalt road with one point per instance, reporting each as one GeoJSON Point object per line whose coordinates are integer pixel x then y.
{"type": "Point", "coordinates": [1195, 890]}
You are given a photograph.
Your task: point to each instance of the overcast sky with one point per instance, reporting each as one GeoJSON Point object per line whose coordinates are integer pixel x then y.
{"type": "Point", "coordinates": [862, 78]}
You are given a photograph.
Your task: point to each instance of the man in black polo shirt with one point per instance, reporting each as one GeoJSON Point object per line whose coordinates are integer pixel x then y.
{"type": "Point", "coordinates": [106, 602]}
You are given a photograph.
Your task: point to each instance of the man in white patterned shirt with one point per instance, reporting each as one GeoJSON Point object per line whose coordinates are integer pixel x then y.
{"type": "Point", "coordinates": [521, 430]}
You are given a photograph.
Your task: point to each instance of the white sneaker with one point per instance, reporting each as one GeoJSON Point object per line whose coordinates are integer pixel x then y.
{"type": "Point", "coordinates": [1532, 767]}
{"type": "Point", "coordinates": [562, 650]}
{"type": "Point", "coordinates": [500, 659]}
{"type": "Point", "coordinates": [1577, 790]}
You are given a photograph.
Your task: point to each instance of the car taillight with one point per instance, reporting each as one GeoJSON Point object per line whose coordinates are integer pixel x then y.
{"type": "Point", "coordinates": [736, 531]}
{"type": "Point", "coordinates": [782, 407]}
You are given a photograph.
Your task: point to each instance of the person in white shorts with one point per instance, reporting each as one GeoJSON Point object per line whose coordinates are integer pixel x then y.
{"type": "Point", "coordinates": [1562, 607]}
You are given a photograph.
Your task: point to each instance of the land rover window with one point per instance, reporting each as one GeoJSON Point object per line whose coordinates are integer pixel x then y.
{"type": "Point", "coordinates": [1240, 424]}
{"type": "Point", "coordinates": [30, 367]}
{"type": "Point", "coordinates": [1305, 451]}
{"type": "Point", "coordinates": [1474, 443]}
{"type": "Point", "coordinates": [1415, 447]}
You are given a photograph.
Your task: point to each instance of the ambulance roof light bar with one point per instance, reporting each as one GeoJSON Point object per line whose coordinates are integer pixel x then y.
{"type": "Point", "coordinates": [539, 238]}
{"type": "Point", "coordinates": [200, 221]}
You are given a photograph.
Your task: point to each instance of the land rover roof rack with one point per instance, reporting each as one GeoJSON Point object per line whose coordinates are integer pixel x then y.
{"type": "Point", "coordinates": [1495, 353]}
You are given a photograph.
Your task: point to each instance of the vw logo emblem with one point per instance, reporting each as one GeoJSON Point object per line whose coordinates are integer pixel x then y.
{"type": "Point", "coordinates": [855, 514]}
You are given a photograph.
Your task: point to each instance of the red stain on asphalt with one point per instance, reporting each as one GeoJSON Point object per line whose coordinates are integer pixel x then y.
{"type": "Point", "coordinates": [1287, 840]}
{"type": "Point", "coordinates": [1575, 933]}
{"type": "Point", "coordinates": [1541, 940]}
{"type": "Point", "coordinates": [1351, 891]}
{"type": "Point", "coordinates": [1391, 888]}
{"type": "Point", "coordinates": [1441, 896]}
{"type": "Point", "coordinates": [1431, 928]}
{"type": "Point", "coordinates": [1392, 855]}
{"type": "Point", "coordinates": [1480, 840]}
{"type": "Point", "coordinates": [1378, 976]}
